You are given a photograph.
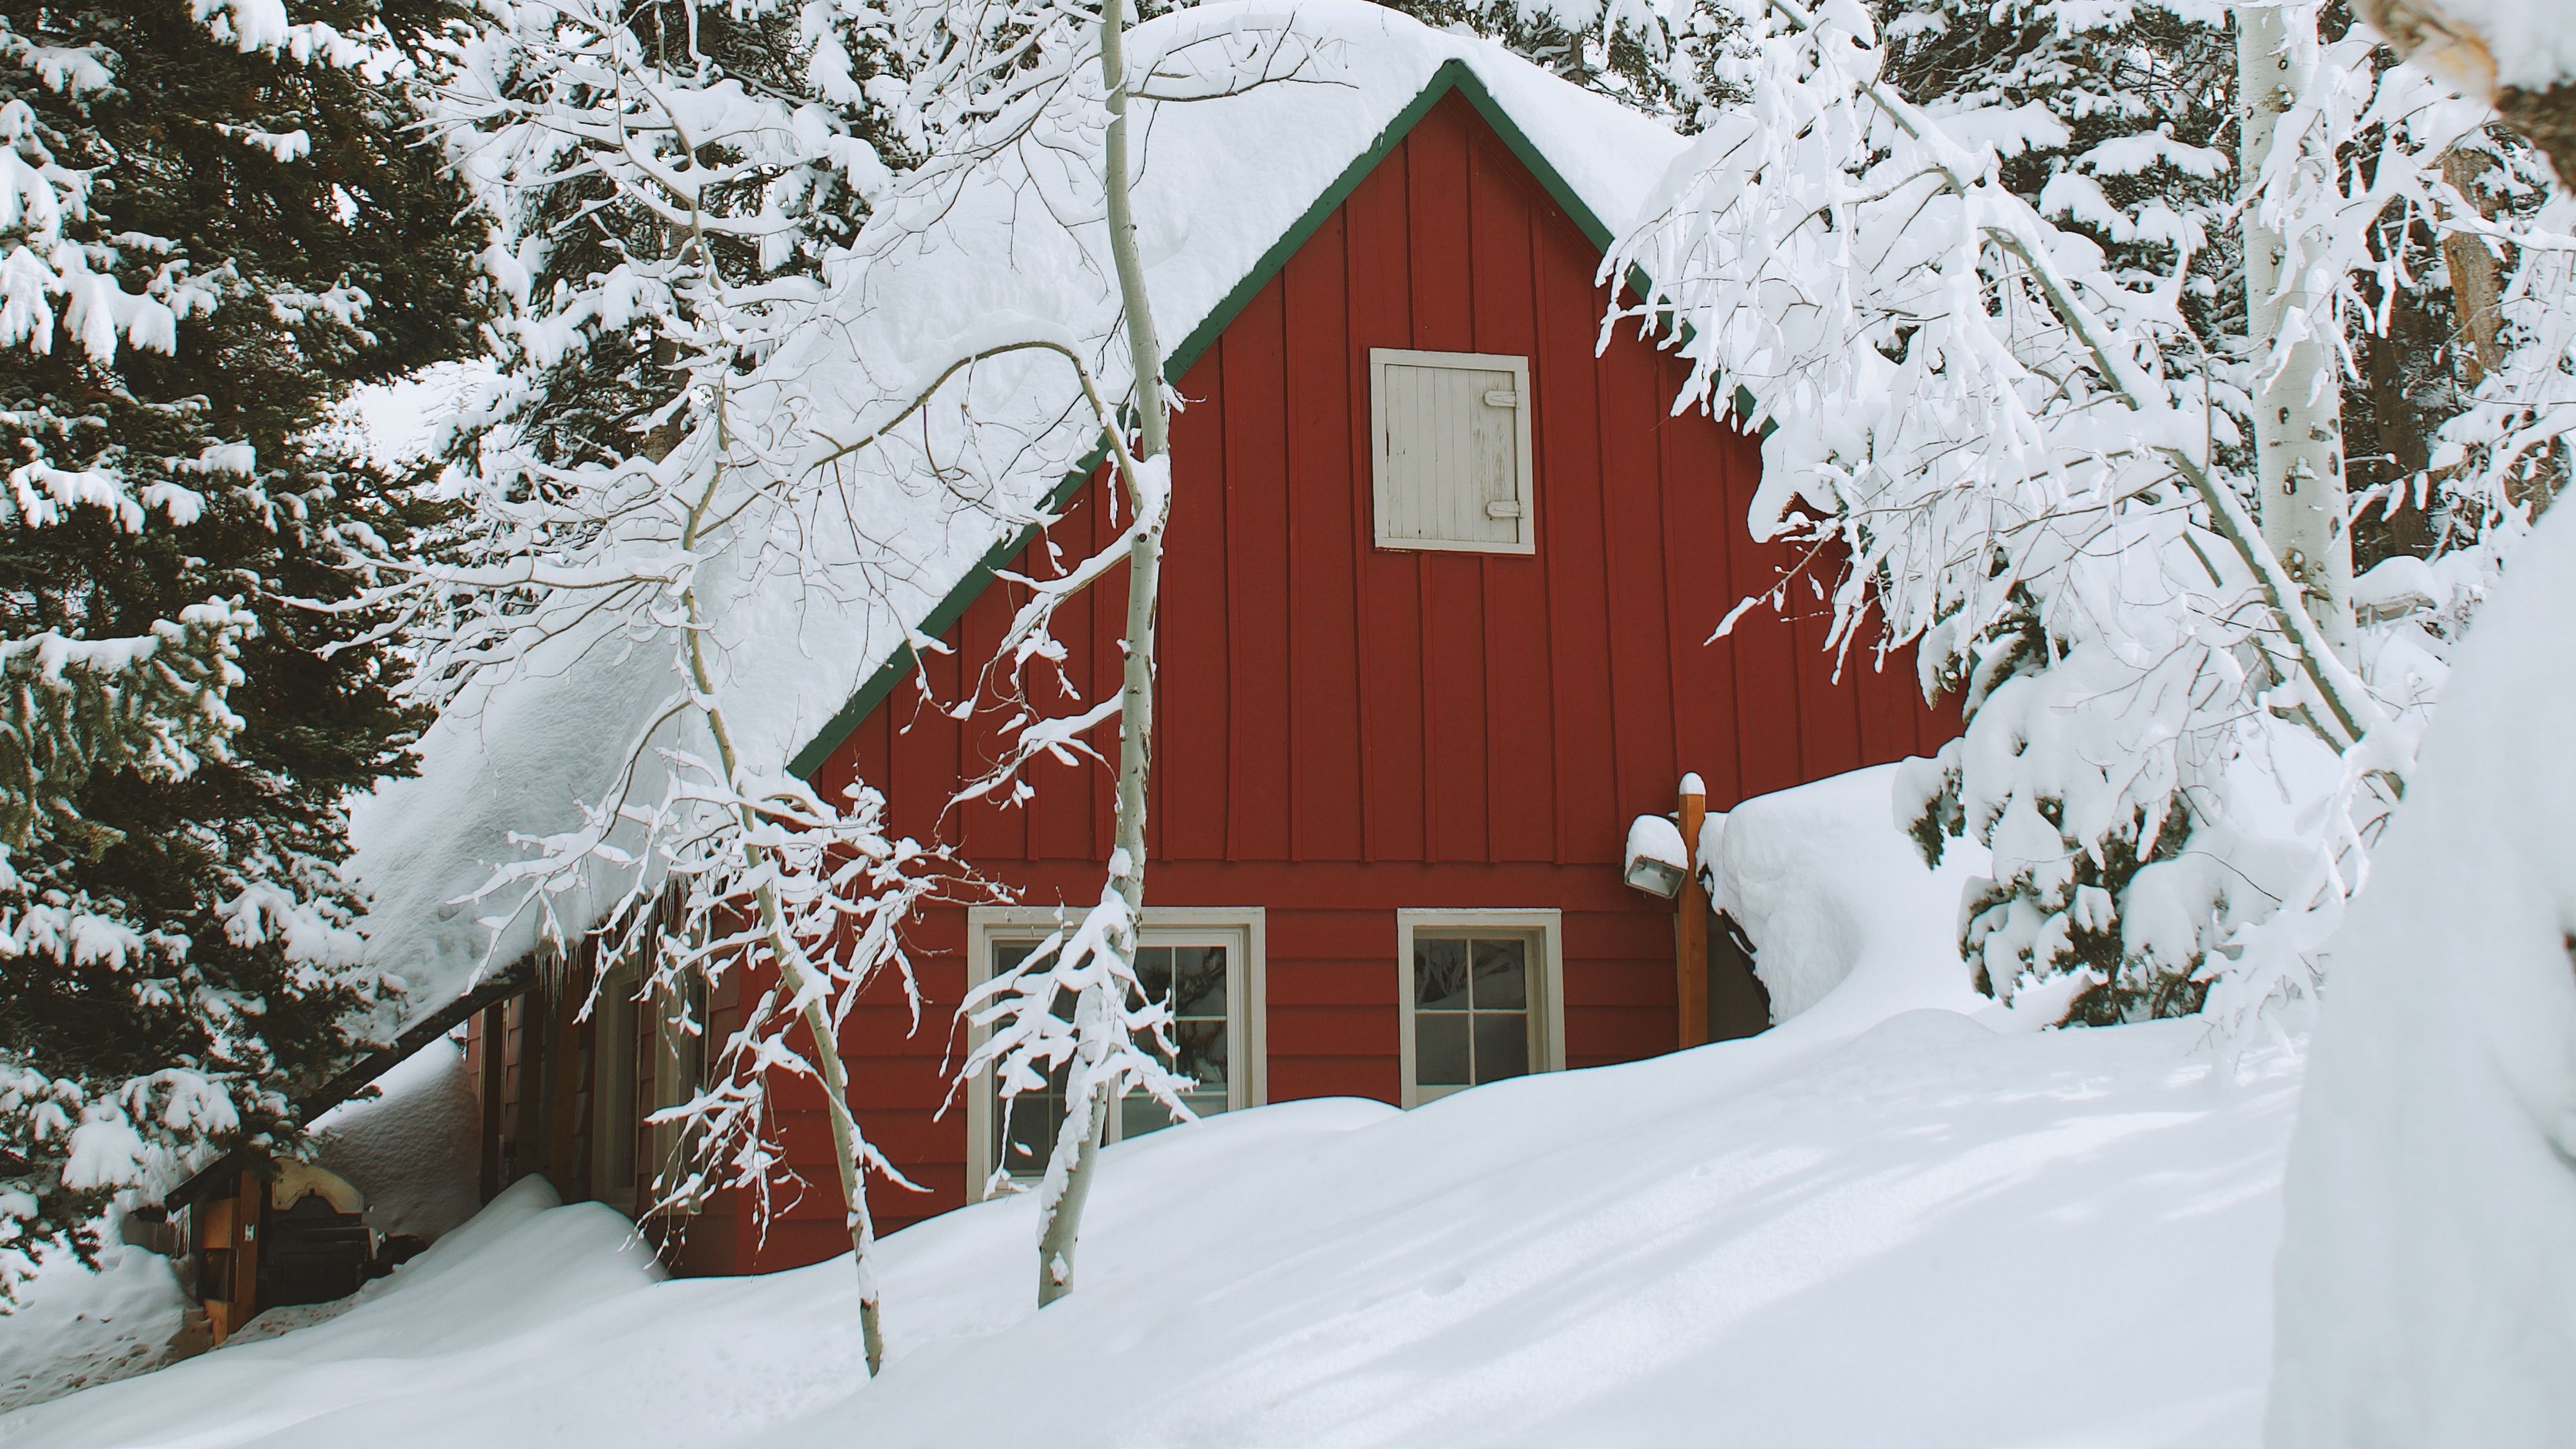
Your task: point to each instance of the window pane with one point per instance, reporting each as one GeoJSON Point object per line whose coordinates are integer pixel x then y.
{"type": "Point", "coordinates": [1029, 1138]}
{"type": "Point", "coordinates": [1440, 1050]}
{"type": "Point", "coordinates": [1140, 1114]}
{"type": "Point", "coordinates": [1502, 1046]}
{"type": "Point", "coordinates": [1154, 972]}
{"type": "Point", "coordinates": [1191, 982]}
{"type": "Point", "coordinates": [1198, 975]}
{"type": "Point", "coordinates": [1502, 975]}
{"type": "Point", "coordinates": [1440, 975]}
{"type": "Point", "coordinates": [1202, 1045]}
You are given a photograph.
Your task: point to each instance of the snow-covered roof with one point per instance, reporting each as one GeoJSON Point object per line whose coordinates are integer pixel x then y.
{"type": "Point", "coordinates": [1226, 188]}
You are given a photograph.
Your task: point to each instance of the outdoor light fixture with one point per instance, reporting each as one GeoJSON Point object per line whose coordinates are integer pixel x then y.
{"type": "Point", "coordinates": [1657, 863]}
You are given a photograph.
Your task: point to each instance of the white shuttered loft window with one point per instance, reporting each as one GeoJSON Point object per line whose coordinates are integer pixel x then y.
{"type": "Point", "coordinates": [1452, 434]}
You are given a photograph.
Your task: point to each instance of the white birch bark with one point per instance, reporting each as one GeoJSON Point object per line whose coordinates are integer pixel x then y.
{"type": "Point", "coordinates": [790, 957]}
{"type": "Point", "coordinates": [1061, 1215]}
{"type": "Point", "coordinates": [2297, 392]}
{"type": "Point", "coordinates": [2013, 226]}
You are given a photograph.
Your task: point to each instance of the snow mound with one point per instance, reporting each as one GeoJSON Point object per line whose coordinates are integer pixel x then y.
{"type": "Point", "coordinates": [1849, 1231]}
{"type": "Point", "coordinates": [75, 1328]}
{"type": "Point", "coordinates": [415, 1150]}
{"type": "Point", "coordinates": [1825, 885]}
{"type": "Point", "coordinates": [2428, 1286]}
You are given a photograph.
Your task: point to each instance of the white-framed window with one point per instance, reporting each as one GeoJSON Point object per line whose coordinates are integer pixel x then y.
{"type": "Point", "coordinates": [1452, 446]}
{"type": "Point", "coordinates": [1483, 997]}
{"type": "Point", "coordinates": [1208, 963]}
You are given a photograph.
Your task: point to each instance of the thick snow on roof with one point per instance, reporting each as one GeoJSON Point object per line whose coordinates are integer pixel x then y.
{"type": "Point", "coordinates": [1012, 249]}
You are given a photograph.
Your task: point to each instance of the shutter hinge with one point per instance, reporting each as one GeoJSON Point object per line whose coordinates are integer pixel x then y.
{"type": "Point", "coordinates": [1503, 508]}
{"type": "Point", "coordinates": [1501, 397]}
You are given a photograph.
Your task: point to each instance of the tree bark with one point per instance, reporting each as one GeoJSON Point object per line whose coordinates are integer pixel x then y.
{"type": "Point", "coordinates": [783, 948]}
{"type": "Point", "coordinates": [1063, 1218]}
{"type": "Point", "coordinates": [2298, 407]}
{"type": "Point", "coordinates": [2548, 118]}
{"type": "Point", "coordinates": [2424, 31]}
{"type": "Point", "coordinates": [2477, 276]}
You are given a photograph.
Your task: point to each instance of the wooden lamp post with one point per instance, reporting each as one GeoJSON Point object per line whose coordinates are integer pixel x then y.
{"type": "Point", "coordinates": [1690, 921]}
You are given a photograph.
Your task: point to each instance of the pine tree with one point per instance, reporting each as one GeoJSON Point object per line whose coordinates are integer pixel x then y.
{"type": "Point", "coordinates": [218, 227]}
{"type": "Point", "coordinates": [612, 294]}
{"type": "Point", "coordinates": [1662, 59]}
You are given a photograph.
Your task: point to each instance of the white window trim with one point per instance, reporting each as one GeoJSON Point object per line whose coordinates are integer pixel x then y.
{"type": "Point", "coordinates": [1380, 358]}
{"type": "Point", "coordinates": [1247, 925]}
{"type": "Point", "coordinates": [1548, 995]}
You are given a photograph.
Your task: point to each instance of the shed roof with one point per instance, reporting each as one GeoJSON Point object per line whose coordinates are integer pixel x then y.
{"type": "Point", "coordinates": [1227, 190]}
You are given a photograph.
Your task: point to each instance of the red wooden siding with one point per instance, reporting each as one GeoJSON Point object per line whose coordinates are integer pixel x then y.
{"type": "Point", "coordinates": [1344, 730]}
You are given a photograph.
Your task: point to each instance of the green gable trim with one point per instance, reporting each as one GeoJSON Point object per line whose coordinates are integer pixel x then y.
{"type": "Point", "coordinates": [1453, 75]}
{"type": "Point", "coordinates": [942, 617]}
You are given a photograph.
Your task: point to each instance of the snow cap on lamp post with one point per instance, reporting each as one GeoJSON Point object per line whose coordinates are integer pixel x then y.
{"type": "Point", "coordinates": [1656, 861]}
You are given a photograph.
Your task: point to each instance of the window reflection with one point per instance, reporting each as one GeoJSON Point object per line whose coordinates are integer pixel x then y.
{"type": "Point", "coordinates": [1471, 1011]}
{"type": "Point", "coordinates": [1191, 982]}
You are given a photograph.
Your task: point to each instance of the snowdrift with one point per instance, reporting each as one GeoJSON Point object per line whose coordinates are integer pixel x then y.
{"type": "Point", "coordinates": [2429, 1288]}
{"type": "Point", "coordinates": [1882, 1223]}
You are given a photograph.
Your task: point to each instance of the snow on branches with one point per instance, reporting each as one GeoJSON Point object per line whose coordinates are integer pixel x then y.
{"type": "Point", "coordinates": [1074, 1017]}
{"type": "Point", "coordinates": [201, 206]}
{"type": "Point", "coordinates": [2032, 466]}
{"type": "Point", "coordinates": [710, 447]}
{"type": "Point", "coordinates": [717, 442]}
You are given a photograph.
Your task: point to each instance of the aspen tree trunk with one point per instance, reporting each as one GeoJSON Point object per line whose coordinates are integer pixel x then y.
{"type": "Point", "coordinates": [2298, 410]}
{"type": "Point", "coordinates": [789, 957]}
{"type": "Point", "coordinates": [2349, 708]}
{"type": "Point", "coordinates": [1063, 1218]}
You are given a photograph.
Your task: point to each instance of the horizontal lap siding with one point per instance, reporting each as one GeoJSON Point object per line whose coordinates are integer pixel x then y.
{"type": "Point", "coordinates": [1344, 731]}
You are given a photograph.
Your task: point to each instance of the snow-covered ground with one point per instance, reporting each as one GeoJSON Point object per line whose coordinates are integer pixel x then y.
{"type": "Point", "coordinates": [1928, 1235]}
{"type": "Point", "coordinates": [1884, 1223]}
{"type": "Point", "coordinates": [77, 1327]}
{"type": "Point", "coordinates": [411, 1149]}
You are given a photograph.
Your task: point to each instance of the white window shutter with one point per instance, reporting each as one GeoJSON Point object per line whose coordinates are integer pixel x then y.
{"type": "Point", "coordinates": [1452, 445]}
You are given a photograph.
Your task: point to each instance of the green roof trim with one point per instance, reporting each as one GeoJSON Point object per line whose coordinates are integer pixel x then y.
{"type": "Point", "coordinates": [1455, 75]}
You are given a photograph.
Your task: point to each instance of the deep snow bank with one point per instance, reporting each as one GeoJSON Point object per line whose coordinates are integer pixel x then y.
{"type": "Point", "coordinates": [75, 1327]}
{"type": "Point", "coordinates": [2428, 1284]}
{"type": "Point", "coordinates": [1930, 1235]}
{"type": "Point", "coordinates": [413, 1149]}
{"type": "Point", "coordinates": [1823, 883]}
{"type": "Point", "coordinates": [1880, 1224]}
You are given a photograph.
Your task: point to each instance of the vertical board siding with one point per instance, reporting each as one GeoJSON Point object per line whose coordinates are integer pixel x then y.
{"type": "Point", "coordinates": [1259, 616]}
{"type": "Point", "coordinates": [1343, 730]}
{"type": "Point", "coordinates": [1322, 498]}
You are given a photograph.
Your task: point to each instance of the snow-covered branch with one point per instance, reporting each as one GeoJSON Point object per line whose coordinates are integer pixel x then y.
{"type": "Point", "coordinates": [2033, 462]}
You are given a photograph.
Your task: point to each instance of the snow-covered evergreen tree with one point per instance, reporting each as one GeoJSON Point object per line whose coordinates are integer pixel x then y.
{"type": "Point", "coordinates": [216, 224]}
{"type": "Point", "coordinates": [1658, 56]}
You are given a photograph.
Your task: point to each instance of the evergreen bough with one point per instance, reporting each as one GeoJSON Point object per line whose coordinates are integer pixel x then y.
{"type": "Point", "coordinates": [214, 224]}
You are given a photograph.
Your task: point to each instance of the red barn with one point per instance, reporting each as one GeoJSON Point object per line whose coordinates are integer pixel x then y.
{"type": "Point", "coordinates": [1442, 582]}
{"type": "Point", "coordinates": [1369, 743]}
